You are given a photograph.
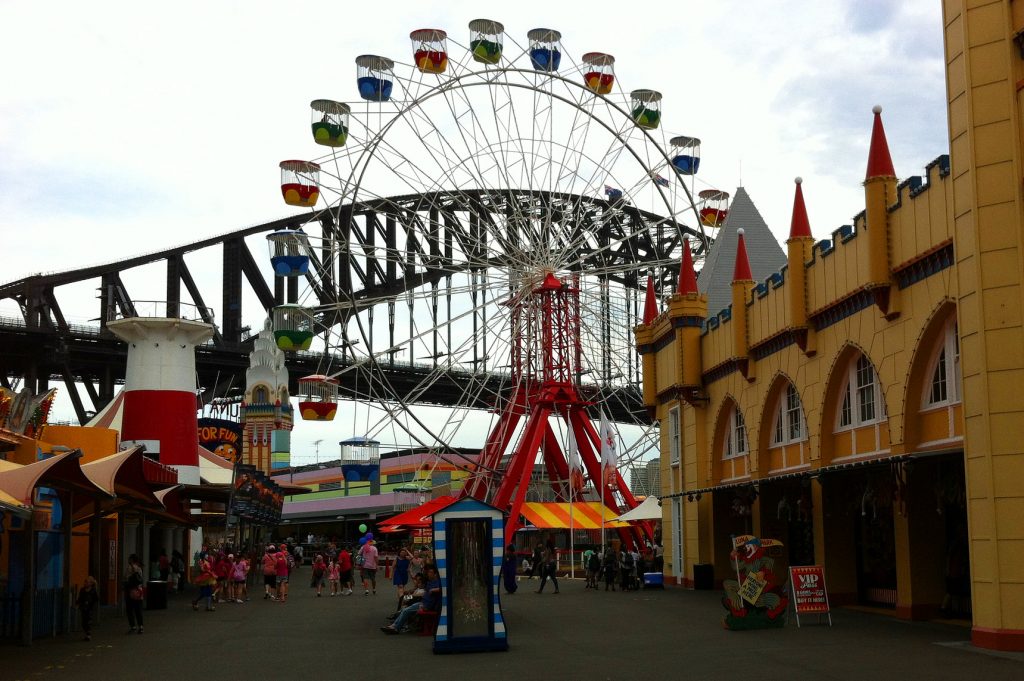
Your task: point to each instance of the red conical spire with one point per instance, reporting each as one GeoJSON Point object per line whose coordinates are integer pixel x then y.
{"type": "Point", "coordinates": [799, 226]}
{"type": "Point", "coordinates": [742, 270]}
{"type": "Point", "coordinates": [687, 277]}
{"type": "Point", "coordinates": [879, 160]}
{"type": "Point", "coordinates": [650, 302]}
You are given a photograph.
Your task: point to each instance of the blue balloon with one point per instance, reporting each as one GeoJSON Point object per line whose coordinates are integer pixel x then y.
{"type": "Point", "coordinates": [362, 540]}
{"type": "Point", "coordinates": [369, 535]}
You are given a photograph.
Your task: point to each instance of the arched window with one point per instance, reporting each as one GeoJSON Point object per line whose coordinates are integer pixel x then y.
{"type": "Point", "coordinates": [944, 385]}
{"type": "Point", "coordinates": [735, 440]}
{"type": "Point", "coordinates": [861, 396]}
{"type": "Point", "coordinates": [260, 395]}
{"type": "Point", "coordinates": [789, 418]}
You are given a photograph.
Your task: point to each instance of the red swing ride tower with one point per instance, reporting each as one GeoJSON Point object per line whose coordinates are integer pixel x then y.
{"type": "Point", "coordinates": [546, 364]}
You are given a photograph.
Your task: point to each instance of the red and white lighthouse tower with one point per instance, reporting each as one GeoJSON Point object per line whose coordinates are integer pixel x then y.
{"type": "Point", "coordinates": [160, 388]}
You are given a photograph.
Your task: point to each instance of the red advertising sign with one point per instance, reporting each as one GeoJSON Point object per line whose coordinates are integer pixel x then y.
{"type": "Point", "coordinates": [810, 596]}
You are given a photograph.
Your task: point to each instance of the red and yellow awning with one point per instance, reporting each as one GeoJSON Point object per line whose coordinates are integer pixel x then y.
{"type": "Point", "coordinates": [586, 515]}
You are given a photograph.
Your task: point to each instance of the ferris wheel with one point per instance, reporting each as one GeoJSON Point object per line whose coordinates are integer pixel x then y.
{"type": "Point", "coordinates": [483, 222]}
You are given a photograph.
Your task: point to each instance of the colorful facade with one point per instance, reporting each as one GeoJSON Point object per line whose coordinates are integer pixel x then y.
{"type": "Point", "coordinates": [828, 406]}
{"type": "Point", "coordinates": [267, 410]}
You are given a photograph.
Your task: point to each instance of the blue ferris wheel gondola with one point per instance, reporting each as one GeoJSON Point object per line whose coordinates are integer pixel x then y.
{"type": "Point", "coordinates": [288, 248]}
{"type": "Point", "coordinates": [685, 154]}
{"type": "Point", "coordinates": [545, 49]}
{"type": "Point", "coordinates": [375, 77]}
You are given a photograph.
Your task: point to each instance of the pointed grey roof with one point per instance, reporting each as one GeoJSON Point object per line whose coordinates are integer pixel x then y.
{"type": "Point", "coordinates": [763, 251]}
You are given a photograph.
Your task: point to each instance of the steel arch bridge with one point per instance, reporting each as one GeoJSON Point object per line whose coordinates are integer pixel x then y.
{"type": "Point", "coordinates": [381, 249]}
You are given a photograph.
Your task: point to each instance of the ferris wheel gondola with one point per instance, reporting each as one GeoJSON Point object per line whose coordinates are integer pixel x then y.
{"type": "Point", "coordinates": [486, 40]}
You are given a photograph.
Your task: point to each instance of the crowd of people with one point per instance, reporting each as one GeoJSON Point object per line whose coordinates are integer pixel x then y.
{"type": "Point", "coordinates": [222, 576]}
{"type": "Point", "coordinates": [615, 567]}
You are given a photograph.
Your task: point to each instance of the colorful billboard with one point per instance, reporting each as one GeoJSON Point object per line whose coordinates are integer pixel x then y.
{"type": "Point", "coordinates": [222, 437]}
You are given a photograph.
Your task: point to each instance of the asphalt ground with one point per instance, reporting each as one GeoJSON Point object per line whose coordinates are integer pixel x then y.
{"type": "Point", "coordinates": [577, 634]}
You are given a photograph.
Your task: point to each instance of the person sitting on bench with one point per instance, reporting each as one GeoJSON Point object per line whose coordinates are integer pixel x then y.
{"type": "Point", "coordinates": [431, 603]}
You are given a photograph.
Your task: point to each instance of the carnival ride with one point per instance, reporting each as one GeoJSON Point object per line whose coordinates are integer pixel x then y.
{"type": "Point", "coordinates": [507, 181]}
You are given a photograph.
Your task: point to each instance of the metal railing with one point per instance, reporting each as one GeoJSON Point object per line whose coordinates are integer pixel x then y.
{"type": "Point", "coordinates": [162, 309]}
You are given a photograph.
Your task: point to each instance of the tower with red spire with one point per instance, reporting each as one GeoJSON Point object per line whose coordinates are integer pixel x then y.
{"type": "Point", "coordinates": [798, 250]}
{"type": "Point", "coordinates": [742, 284]}
{"type": "Point", "coordinates": [879, 194]}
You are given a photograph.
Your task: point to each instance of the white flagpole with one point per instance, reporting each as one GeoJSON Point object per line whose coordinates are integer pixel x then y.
{"type": "Point", "coordinates": [571, 447]}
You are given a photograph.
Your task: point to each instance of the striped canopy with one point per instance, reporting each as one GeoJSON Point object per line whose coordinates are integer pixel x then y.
{"type": "Point", "coordinates": [586, 515]}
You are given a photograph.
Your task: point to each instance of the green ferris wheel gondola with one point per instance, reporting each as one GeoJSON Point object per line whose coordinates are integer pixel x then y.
{"type": "Point", "coordinates": [330, 122]}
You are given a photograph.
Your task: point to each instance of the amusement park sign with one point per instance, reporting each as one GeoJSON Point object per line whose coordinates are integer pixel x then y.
{"type": "Point", "coordinates": [221, 436]}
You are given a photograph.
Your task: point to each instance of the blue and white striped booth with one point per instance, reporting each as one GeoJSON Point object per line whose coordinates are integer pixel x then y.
{"type": "Point", "coordinates": [469, 540]}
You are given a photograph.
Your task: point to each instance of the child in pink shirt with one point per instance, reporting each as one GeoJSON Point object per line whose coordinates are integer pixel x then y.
{"type": "Point", "coordinates": [333, 575]}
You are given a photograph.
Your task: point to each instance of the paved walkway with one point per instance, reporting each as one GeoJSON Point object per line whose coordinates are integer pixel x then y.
{"type": "Point", "coordinates": [578, 634]}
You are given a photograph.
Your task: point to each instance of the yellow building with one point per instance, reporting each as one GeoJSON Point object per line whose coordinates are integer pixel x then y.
{"type": "Point", "coordinates": [828, 406]}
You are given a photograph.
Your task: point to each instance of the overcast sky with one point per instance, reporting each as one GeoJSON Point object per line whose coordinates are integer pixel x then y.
{"type": "Point", "coordinates": [127, 127]}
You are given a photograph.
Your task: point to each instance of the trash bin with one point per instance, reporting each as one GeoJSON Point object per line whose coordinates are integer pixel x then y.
{"type": "Point", "coordinates": [704, 576]}
{"type": "Point", "coordinates": [156, 595]}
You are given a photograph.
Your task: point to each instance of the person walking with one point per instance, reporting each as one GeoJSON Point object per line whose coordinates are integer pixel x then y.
{"type": "Point", "coordinates": [205, 580]}
{"type": "Point", "coordinates": [88, 600]}
{"type": "Point", "coordinates": [549, 568]}
{"type": "Point", "coordinates": [239, 574]}
{"type": "Point", "coordinates": [536, 568]}
{"type": "Point", "coordinates": [370, 557]}
{"type": "Point", "coordinates": [282, 567]}
{"type": "Point", "coordinates": [345, 571]}
{"type": "Point", "coordinates": [319, 574]}
{"type": "Point", "coordinates": [333, 576]}
{"type": "Point", "coordinates": [611, 564]}
{"type": "Point", "coordinates": [270, 573]}
{"type": "Point", "coordinates": [178, 569]}
{"type": "Point", "coordinates": [593, 569]}
{"type": "Point", "coordinates": [132, 585]}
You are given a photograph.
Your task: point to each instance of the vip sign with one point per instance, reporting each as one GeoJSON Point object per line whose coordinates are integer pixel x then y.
{"type": "Point", "coordinates": [810, 597]}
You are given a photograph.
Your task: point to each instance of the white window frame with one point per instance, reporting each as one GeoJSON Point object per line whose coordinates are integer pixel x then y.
{"type": "Point", "coordinates": [786, 412]}
{"type": "Point", "coordinates": [947, 352]}
{"type": "Point", "coordinates": [851, 404]}
{"type": "Point", "coordinates": [674, 444]}
{"type": "Point", "coordinates": [731, 442]}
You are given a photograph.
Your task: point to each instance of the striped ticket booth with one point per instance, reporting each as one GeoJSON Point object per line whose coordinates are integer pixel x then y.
{"type": "Point", "coordinates": [468, 546]}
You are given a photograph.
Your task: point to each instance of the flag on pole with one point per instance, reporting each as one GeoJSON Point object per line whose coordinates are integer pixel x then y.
{"type": "Point", "coordinates": [575, 465]}
{"type": "Point", "coordinates": [609, 457]}
{"type": "Point", "coordinates": [573, 454]}
{"type": "Point", "coordinates": [659, 179]}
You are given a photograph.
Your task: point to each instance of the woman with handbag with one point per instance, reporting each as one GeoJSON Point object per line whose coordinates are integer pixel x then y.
{"type": "Point", "coordinates": [133, 594]}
